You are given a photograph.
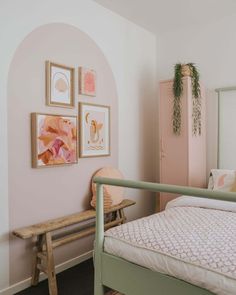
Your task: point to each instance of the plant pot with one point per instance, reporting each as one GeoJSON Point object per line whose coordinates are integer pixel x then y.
{"type": "Point", "coordinates": [185, 71]}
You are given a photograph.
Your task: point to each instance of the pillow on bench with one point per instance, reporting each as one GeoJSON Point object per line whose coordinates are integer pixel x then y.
{"type": "Point", "coordinates": [113, 195]}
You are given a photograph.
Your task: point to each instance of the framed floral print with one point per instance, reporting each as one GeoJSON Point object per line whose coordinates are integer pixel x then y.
{"type": "Point", "coordinates": [94, 130]}
{"type": "Point", "coordinates": [59, 85]}
{"type": "Point", "coordinates": [54, 140]}
{"type": "Point", "coordinates": [87, 81]}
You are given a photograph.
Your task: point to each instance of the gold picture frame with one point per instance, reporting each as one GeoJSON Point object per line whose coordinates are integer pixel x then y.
{"type": "Point", "coordinates": [59, 85]}
{"type": "Point", "coordinates": [94, 129]}
{"type": "Point", "coordinates": [51, 144]}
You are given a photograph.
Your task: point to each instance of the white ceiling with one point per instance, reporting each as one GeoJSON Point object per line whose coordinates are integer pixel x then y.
{"type": "Point", "coordinates": [165, 15]}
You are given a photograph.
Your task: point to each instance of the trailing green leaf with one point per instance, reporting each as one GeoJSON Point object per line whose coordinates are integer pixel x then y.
{"type": "Point", "coordinates": [196, 99]}
{"type": "Point", "coordinates": [177, 90]}
{"type": "Point", "coordinates": [196, 92]}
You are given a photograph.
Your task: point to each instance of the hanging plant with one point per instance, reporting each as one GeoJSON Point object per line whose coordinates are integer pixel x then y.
{"type": "Point", "coordinates": [182, 70]}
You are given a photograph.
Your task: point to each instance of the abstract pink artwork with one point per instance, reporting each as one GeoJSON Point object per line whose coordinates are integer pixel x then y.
{"type": "Point", "coordinates": [54, 140]}
{"type": "Point", "coordinates": [87, 82]}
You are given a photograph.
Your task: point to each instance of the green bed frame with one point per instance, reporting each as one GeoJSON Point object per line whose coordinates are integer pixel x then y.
{"type": "Point", "coordinates": [132, 279]}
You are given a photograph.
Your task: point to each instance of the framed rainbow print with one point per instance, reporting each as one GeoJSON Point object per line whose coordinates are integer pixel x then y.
{"type": "Point", "coordinates": [87, 81]}
{"type": "Point", "coordinates": [54, 140]}
{"type": "Point", "coordinates": [59, 85]}
{"type": "Point", "coordinates": [94, 130]}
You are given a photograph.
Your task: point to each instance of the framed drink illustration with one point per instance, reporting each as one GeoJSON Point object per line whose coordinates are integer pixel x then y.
{"type": "Point", "coordinates": [94, 130]}
{"type": "Point", "coordinates": [59, 85]}
{"type": "Point", "coordinates": [54, 140]}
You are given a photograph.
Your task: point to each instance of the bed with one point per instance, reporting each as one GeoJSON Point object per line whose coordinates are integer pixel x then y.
{"type": "Point", "coordinates": [190, 248]}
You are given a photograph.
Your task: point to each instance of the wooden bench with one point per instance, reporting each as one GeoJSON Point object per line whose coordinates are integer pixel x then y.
{"type": "Point", "coordinates": [46, 242]}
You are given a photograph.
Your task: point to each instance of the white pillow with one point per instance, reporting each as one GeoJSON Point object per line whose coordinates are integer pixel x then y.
{"type": "Point", "coordinates": [224, 180]}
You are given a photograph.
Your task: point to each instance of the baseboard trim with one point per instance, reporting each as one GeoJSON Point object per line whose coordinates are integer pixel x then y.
{"type": "Point", "coordinates": [59, 268]}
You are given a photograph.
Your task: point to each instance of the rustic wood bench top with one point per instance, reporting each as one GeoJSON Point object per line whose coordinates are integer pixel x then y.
{"type": "Point", "coordinates": [57, 223]}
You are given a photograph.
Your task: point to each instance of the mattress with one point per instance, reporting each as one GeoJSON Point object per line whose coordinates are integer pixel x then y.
{"type": "Point", "coordinates": [193, 239]}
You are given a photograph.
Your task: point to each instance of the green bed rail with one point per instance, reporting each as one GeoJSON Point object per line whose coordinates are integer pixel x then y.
{"type": "Point", "coordinates": [176, 189]}
{"type": "Point", "coordinates": [154, 187]}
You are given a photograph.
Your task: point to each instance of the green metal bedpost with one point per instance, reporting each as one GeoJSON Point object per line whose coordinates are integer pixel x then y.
{"type": "Point", "coordinates": [98, 287]}
{"type": "Point", "coordinates": [219, 92]}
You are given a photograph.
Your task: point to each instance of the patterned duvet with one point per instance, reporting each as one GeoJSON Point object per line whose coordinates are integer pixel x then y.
{"type": "Point", "coordinates": [191, 233]}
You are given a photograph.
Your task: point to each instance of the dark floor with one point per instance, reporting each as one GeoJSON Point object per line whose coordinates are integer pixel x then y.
{"type": "Point", "coordinates": [73, 281]}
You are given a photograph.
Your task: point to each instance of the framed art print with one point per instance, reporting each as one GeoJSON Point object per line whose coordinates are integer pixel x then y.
{"type": "Point", "coordinates": [54, 140]}
{"type": "Point", "coordinates": [59, 85]}
{"type": "Point", "coordinates": [87, 81]}
{"type": "Point", "coordinates": [94, 130]}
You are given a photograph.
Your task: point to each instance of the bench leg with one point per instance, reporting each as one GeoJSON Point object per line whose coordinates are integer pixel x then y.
{"type": "Point", "coordinates": [122, 215]}
{"type": "Point", "coordinates": [37, 260]}
{"type": "Point", "coordinates": [52, 281]}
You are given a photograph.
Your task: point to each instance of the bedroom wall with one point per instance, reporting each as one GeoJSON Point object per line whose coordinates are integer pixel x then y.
{"type": "Point", "coordinates": [212, 47]}
{"type": "Point", "coordinates": [130, 52]}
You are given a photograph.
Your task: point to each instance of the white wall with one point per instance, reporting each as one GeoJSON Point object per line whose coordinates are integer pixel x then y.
{"type": "Point", "coordinates": [131, 52]}
{"type": "Point", "coordinates": [212, 47]}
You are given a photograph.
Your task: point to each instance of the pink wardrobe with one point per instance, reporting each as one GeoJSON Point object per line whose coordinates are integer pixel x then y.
{"type": "Point", "coordinates": [182, 157]}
